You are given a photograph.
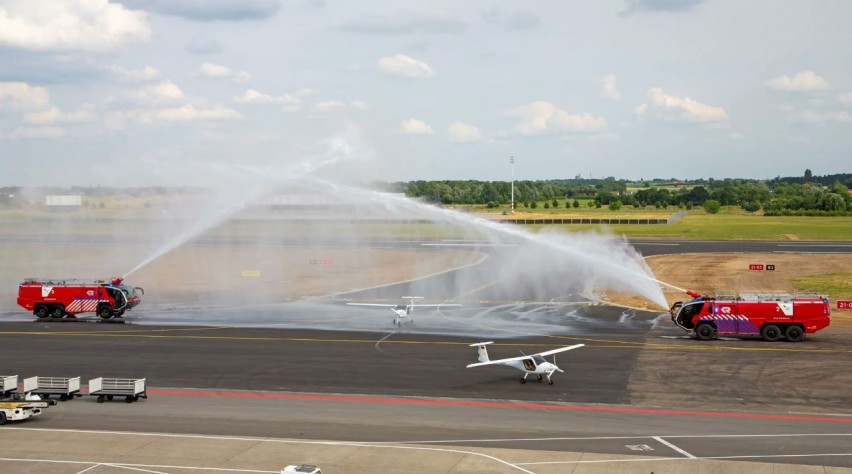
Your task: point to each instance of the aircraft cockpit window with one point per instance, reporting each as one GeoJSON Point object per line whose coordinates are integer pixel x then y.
{"type": "Point", "coordinates": [539, 359]}
{"type": "Point", "coordinates": [529, 364]}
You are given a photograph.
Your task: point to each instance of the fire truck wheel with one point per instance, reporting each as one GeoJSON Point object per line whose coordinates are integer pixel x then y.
{"type": "Point", "coordinates": [104, 312]}
{"type": "Point", "coordinates": [771, 333]}
{"type": "Point", "coordinates": [57, 312]}
{"type": "Point", "coordinates": [2, 418]}
{"type": "Point", "coordinates": [705, 332]}
{"type": "Point", "coordinates": [40, 311]}
{"type": "Point", "coordinates": [795, 333]}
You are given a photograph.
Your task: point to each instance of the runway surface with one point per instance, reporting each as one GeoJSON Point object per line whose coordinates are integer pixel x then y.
{"type": "Point", "coordinates": [324, 370]}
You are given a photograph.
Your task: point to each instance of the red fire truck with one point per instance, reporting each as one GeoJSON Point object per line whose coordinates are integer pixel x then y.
{"type": "Point", "coordinates": [772, 316]}
{"type": "Point", "coordinates": [60, 298]}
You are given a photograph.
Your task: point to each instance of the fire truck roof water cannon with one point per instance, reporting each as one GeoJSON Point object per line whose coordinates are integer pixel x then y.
{"type": "Point", "coordinates": [57, 299]}
{"type": "Point", "coordinates": [772, 316]}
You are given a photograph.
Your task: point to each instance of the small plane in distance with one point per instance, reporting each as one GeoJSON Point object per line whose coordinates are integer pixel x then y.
{"type": "Point", "coordinates": [403, 311]}
{"type": "Point", "coordinates": [528, 364]}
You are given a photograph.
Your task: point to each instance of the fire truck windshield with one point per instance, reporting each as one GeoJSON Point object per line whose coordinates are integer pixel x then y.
{"type": "Point", "coordinates": [128, 290]}
{"type": "Point", "coordinates": [687, 312]}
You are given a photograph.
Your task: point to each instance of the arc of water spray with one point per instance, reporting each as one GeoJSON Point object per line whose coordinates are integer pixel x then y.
{"type": "Point", "coordinates": [457, 217]}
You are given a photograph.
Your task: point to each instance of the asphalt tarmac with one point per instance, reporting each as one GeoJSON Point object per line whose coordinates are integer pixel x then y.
{"type": "Point", "coordinates": [346, 374]}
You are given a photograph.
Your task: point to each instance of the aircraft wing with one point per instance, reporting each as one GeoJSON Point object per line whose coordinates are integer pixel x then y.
{"type": "Point", "coordinates": [561, 349]}
{"type": "Point", "coordinates": [432, 305]}
{"type": "Point", "coordinates": [497, 362]}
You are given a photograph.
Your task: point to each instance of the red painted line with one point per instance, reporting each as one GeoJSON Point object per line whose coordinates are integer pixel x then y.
{"type": "Point", "coordinates": [489, 404]}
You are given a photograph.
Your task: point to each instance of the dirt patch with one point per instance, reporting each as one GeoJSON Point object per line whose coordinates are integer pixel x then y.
{"type": "Point", "coordinates": [711, 273]}
{"type": "Point", "coordinates": [792, 237]}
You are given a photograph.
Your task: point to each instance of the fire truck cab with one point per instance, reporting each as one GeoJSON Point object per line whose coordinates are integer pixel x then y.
{"type": "Point", "coordinates": [772, 316]}
{"type": "Point", "coordinates": [60, 298]}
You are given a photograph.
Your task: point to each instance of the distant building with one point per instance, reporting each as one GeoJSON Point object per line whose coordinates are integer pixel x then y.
{"type": "Point", "coordinates": [63, 202]}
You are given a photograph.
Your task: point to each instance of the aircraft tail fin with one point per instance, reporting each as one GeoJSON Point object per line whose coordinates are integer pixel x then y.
{"type": "Point", "coordinates": [481, 351]}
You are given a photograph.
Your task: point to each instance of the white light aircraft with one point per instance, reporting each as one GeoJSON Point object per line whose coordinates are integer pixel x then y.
{"type": "Point", "coordinates": [528, 364]}
{"type": "Point", "coordinates": [403, 311]}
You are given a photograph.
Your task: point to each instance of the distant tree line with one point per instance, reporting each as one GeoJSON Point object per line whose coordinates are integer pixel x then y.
{"type": "Point", "coordinates": [815, 195]}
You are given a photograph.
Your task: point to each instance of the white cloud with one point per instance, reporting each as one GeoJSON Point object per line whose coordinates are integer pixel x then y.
{"type": "Point", "coordinates": [815, 117]}
{"type": "Point", "coordinates": [405, 66]}
{"type": "Point", "coordinates": [163, 92]}
{"type": "Point", "coordinates": [359, 104]}
{"type": "Point", "coordinates": [845, 99]}
{"type": "Point", "coordinates": [415, 127]}
{"type": "Point", "coordinates": [737, 135]}
{"type": "Point", "coordinates": [542, 116]}
{"type": "Point", "coordinates": [70, 25]}
{"type": "Point", "coordinates": [56, 115]}
{"type": "Point", "coordinates": [664, 107]}
{"type": "Point", "coordinates": [38, 132]}
{"type": "Point", "coordinates": [188, 112]}
{"type": "Point", "coordinates": [462, 132]}
{"type": "Point", "coordinates": [804, 81]}
{"type": "Point", "coordinates": [252, 96]}
{"type": "Point", "coordinates": [217, 71]}
{"type": "Point", "coordinates": [329, 106]}
{"type": "Point", "coordinates": [145, 74]}
{"type": "Point", "coordinates": [609, 90]}
{"type": "Point", "coordinates": [22, 96]}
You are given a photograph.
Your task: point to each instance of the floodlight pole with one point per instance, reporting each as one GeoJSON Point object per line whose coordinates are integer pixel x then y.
{"type": "Point", "coordinates": [512, 161]}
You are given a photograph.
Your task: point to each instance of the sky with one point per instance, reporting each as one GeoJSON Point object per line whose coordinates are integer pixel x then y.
{"type": "Point", "coordinates": [179, 92]}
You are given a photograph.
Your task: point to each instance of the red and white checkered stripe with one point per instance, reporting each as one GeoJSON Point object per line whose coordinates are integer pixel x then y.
{"type": "Point", "coordinates": [84, 305]}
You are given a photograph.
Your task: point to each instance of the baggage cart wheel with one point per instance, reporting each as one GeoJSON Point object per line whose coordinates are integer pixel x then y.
{"type": "Point", "coordinates": [101, 398]}
{"type": "Point", "coordinates": [135, 398]}
{"type": "Point", "coordinates": [128, 399]}
{"type": "Point", "coordinates": [109, 397]}
{"type": "Point", "coordinates": [62, 397]}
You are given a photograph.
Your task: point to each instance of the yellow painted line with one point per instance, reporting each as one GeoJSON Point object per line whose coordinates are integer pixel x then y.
{"type": "Point", "coordinates": [478, 289]}
{"type": "Point", "coordinates": [250, 273]}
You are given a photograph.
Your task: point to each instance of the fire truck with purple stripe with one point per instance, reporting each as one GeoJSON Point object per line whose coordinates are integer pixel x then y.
{"type": "Point", "coordinates": [772, 316]}
{"type": "Point", "coordinates": [68, 298]}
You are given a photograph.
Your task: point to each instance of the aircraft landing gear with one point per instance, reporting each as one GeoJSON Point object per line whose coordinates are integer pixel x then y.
{"type": "Point", "coordinates": [538, 377]}
{"type": "Point", "coordinates": [524, 378]}
{"type": "Point", "coordinates": [523, 381]}
{"type": "Point", "coordinates": [549, 382]}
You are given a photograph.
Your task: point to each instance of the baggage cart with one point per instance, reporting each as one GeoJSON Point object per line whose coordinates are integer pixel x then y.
{"type": "Point", "coordinates": [108, 388]}
{"type": "Point", "coordinates": [9, 386]}
{"type": "Point", "coordinates": [64, 388]}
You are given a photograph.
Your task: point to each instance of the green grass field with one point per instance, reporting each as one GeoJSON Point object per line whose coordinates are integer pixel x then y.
{"type": "Point", "coordinates": [730, 224]}
{"type": "Point", "coordinates": [838, 285]}
{"type": "Point", "coordinates": [737, 226]}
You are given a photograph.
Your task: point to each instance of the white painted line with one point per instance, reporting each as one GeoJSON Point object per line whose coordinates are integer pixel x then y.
{"type": "Point", "coordinates": [590, 438]}
{"type": "Point", "coordinates": [282, 441]}
{"type": "Point", "coordinates": [681, 451]}
{"type": "Point", "coordinates": [770, 456]}
{"type": "Point", "coordinates": [88, 468]}
{"type": "Point", "coordinates": [598, 461]}
{"type": "Point", "coordinates": [814, 245]}
{"type": "Point", "coordinates": [659, 244]}
{"type": "Point", "coordinates": [129, 466]}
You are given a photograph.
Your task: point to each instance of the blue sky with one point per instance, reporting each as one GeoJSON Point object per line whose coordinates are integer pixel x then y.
{"type": "Point", "coordinates": [175, 91]}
